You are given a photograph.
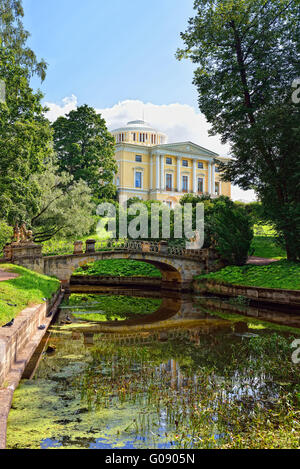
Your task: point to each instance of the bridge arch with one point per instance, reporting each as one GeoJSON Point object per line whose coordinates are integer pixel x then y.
{"type": "Point", "coordinates": [173, 270]}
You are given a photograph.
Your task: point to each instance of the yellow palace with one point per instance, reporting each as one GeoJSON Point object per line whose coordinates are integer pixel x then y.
{"type": "Point", "coordinates": [151, 169]}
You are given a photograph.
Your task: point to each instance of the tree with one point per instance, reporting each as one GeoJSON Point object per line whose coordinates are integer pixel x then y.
{"type": "Point", "coordinates": [65, 206]}
{"type": "Point", "coordinates": [248, 57]}
{"type": "Point", "coordinates": [227, 227]}
{"type": "Point", "coordinates": [13, 38]}
{"type": "Point", "coordinates": [25, 142]}
{"type": "Point", "coordinates": [6, 233]}
{"type": "Point", "coordinates": [85, 149]}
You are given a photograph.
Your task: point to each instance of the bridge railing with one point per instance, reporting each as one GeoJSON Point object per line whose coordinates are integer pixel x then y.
{"type": "Point", "coordinates": [155, 247]}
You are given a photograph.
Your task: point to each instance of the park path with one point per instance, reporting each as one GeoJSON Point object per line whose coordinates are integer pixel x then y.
{"type": "Point", "coordinates": [260, 261]}
{"type": "Point", "coordinates": [7, 275]}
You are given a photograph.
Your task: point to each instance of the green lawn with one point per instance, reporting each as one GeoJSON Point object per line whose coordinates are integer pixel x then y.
{"type": "Point", "coordinates": [119, 268]}
{"type": "Point", "coordinates": [55, 247]}
{"type": "Point", "coordinates": [265, 246]}
{"type": "Point", "coordinates": [282, 274]}
{"type": "Point", "coordinates": [29, 288]}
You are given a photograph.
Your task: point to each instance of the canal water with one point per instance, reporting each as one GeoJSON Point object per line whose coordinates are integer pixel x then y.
{"type": "Point", "coordinates": [134, 369]}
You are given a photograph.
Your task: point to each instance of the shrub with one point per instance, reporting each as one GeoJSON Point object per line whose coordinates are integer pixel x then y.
{"type": "Point", "coordinates": [228, 227]}
{"type": "Point", "coordinates": [6, 233]}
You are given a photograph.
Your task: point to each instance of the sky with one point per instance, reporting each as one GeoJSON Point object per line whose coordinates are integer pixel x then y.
{"type": "Point", "coordinates": [119, 57]}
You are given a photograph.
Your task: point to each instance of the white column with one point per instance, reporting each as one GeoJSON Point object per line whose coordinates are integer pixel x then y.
{"type": "Point", "coordinates": [213, 179]}
{"type": "Point", "coordinates": [209, 177]}
{"type": "Point", "coordinates": [157, 172]}
{"type": "Point", "coordinates": [162, 183]}
{"type": "Point", "coordinates": [195, 176]}
{"type": "Point", "coordinates": [178, 174]}
{"type": "Point", "coordinates": [151, 172]}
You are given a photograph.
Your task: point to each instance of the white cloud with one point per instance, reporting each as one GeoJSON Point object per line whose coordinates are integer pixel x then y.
{"type": "Point", "coordinates": [55, 110]}
{"type": "Point", "coordinates": [180, 122]}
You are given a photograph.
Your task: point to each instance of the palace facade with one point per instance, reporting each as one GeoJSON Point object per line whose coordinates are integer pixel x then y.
{"type": "Point", "coordinates": [151, 169]}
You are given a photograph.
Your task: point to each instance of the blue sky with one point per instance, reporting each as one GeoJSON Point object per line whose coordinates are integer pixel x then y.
{"type": "Point", "coordinates": [109, 51]}
{"type": "Point", "coordinates": [119, 57]}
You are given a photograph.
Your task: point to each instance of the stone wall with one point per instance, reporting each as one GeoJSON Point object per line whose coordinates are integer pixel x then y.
{"type": "Point", "coordinates": [116, 281]}
{"type": "Point", "coordinates": [17, 345]}
{"type": "Point", "coordinates": [265, 295]}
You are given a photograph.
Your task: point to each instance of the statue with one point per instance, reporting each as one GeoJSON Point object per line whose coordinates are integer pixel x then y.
{"type": "Point", "coordinates": [17, 234]}
{"type": "Point", "coordinates": [26, 235]}
{"type": "Point", "coordinates": [22, 235]}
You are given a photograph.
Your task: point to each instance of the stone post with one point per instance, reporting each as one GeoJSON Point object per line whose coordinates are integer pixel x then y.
{"type": "Point", "coordinates": [163, 247]}
{"type": "Point", "coordinates": [78, 247]}
{"type": "Point", "coordinates": [26, 251]}
{"type": "Point", "coordinates": [90, 246]}
{"type": "Point", "coordinates": [29, 255]}
{"type": "Point", "coordinates": [88, 339]}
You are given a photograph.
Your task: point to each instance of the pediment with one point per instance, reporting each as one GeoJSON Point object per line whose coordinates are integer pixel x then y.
{"type": "Point", "coordinates": [188, 148]}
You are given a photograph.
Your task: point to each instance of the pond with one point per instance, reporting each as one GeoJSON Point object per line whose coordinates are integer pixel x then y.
{"type": "Point", "coordinates": [133, 369]}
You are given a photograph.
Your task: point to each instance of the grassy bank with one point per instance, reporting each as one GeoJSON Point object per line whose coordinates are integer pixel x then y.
{"type": "Point", "coordinates": [282, 274]}
{"type": "Point", "coordinates": [265, 246]}
{"type": "Point", "coordinates": [28, 289]}
{"type": "Point", "coordinates": [119, 268]}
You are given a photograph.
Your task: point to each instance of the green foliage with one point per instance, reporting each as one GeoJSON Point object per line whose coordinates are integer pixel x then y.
{"type": "Point", "coordinates": [25, 139]}
{"type": "Point", "coordinates": [13, 37]}
{"type": "Point", "coordinates": [255, 210]}
{"type": "Point", "coordinates": [27, 289]}
{"type": "Point", "coordinates": [119, 268]}
{"type": "Point", "coordinates": [247, 54]}
{"type": "Point", "coordinates": [6, 233]}
{"type": "Point", "coordinates": [65, 205]}
{"type": "Point", "coordinates": [264, 230]}
{"type": "Point", "coordinates": [85, 149]}
{"type": "Point", "coordinates": [232, 231]}
{"type": "Point", "coordinates": [227, 226]}
{"type": "Point", "coordinates": [282, 274]}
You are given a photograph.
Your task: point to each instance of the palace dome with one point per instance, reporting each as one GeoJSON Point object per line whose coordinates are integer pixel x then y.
{"type": "Point", "coordinates": [138, 132]}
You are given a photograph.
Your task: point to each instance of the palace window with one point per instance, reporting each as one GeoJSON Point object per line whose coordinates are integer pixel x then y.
{"type": "Point", "coordinates": [200, 185]}
{"type": "Point", "coordinates": [138, 158]}
{"type": "Point", "coordinates": [185, 183]}
{"type": "Point", "coordinates": [200, 165]}
{"type": "Point", "coordinates": [169, 182]}
{"type": "Point", "coordinates": [138, 179]}
{"type": "Point", "coordinates": [217, 188]}
{"type": "Point", "coordinates": [134, 137]}
{"type": "Point", "coordinates": [169, 160]}
{"type": "Point", "coordinates": [185, 163]}
{"type": "Point", "coordinates": [118, 181]}
{"type": "Point", "coordinates": [217, 169]}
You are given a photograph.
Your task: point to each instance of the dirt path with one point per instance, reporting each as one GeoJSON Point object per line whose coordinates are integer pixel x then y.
{"type": "Point", "coordinates": [7, 275]}
{"type": "Point", "coordinates": [260, 261]}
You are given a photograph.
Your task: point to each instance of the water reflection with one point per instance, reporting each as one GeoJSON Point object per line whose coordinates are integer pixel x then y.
{"type": "Point", "coordinates": [178, 374]}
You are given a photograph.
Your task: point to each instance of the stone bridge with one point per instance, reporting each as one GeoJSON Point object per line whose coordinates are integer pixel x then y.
{"type": "Point", "coordinates": [177, 265]}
